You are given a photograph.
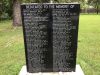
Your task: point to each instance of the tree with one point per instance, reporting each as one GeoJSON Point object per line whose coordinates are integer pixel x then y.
{"type": "Point", "coordinates": [5, 9]}
{"type": "Point", "coordinates": [95, 3]}
{"type": "Point", "coordinates": [16, 13]}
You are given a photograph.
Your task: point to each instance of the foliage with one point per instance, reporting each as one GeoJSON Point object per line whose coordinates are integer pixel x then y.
{"type": "Point", "coordinates": [7, 7]}
{"type": "Point", "coordinates": [0, 10]}
{"type": "Point", "coordinates": [95, 3]}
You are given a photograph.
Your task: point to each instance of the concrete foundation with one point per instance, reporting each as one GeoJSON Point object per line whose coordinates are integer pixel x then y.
{"type": "Point", "coordinates": [78, 72]}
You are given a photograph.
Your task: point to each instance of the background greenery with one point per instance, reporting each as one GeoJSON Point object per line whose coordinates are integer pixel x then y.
{"type": "Point", "coordinates": [12, 54]}
{"type": "Point", "coordinates": [7, 6]}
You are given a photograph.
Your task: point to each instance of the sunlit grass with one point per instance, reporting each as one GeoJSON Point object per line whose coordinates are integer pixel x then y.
{"type": "Point", "coordinates": [89, 44]}
{"type": "Point", "coordinates": [12, 55]}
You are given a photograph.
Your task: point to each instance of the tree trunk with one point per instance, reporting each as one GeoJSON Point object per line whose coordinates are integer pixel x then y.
{"type": "Point", "coordinates": [16, 13]}
{"type": "Point", "coordinates": [97, 8]}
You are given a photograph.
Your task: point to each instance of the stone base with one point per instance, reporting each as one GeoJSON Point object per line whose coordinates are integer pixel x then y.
{"type": "Point", "coordinates": [78, 72]}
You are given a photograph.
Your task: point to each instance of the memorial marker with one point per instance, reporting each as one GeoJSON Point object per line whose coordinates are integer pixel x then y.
{"type": "Point", "coordinates": [50, 36]}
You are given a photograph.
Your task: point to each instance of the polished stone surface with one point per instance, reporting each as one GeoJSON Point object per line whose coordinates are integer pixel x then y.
{"type": "Point", "coordinates": [50, 36]}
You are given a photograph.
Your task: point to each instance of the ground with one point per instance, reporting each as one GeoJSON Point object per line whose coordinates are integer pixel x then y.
{"type": "Point", "coordinates": [12, 55]}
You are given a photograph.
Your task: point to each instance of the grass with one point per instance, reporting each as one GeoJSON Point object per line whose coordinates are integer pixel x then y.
{"type": "Point", "coordinates": [89, 44]}
{"type": "Point", "coordinates": [11, 49]}
{"type": "Point", "coordinates": [12, 56]}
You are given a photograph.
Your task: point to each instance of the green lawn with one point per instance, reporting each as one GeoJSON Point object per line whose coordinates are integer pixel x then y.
{"type": "Point", "coordinates": [89, 44]}
{"type": "Point", "coordinates": [12, 56]}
